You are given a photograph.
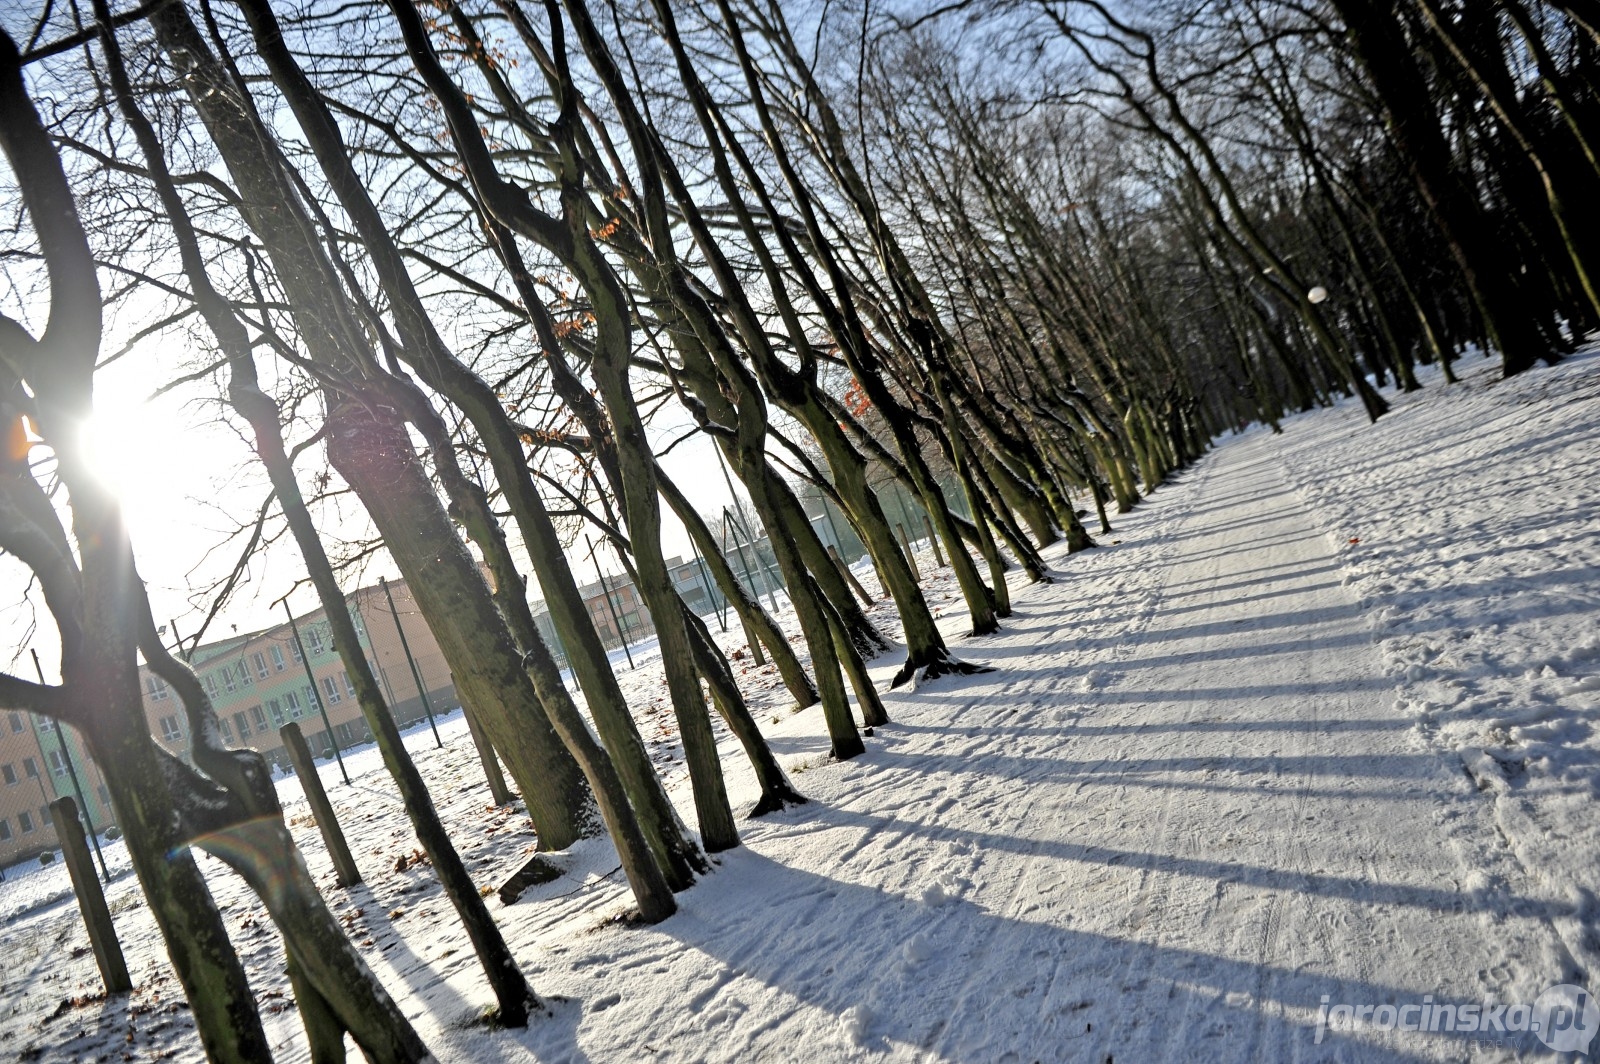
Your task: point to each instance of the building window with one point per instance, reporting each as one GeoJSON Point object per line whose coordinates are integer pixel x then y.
{"type": "Point", "coordinates": [16, 722]}
{"type": "Point", "coordinates": [314, 640]}
{"type": "Point", "coordinates": [260, 660]}
{"type": "Point", "coordinates": [245, 679]}
{"type": "Point", "coordinates": [10, 773]}
{"type": "Point", "coordinates": [330, 687]}
{"type": "Point", "coordinates": [25, 818]}
{"type": "Point", "coordinates": [30, 768]}
{"type": "Point", "coordinates": [349, 688]}
{"type": "Point", "coordinates": [259, 717]}
{"type": "Point", "coordinates": [44, 724]}
{"type": "Point", "coordinates": [105, 796]}
{"type": "Point", "coordinates": [226, 729]}
{"type": "Point", "coordinates": [294, 650]}
{"type": "Point", "coordinates": [291, 702]}
{"type": "Point", "coordinates": [228, 682]}
{"type": "Point", "coordinates": [277, 657]}
{"type": "Point", "coordinates": [170, 730]}
{"type": "Point", "coordinates": [5, 830]}
{"type": "Point", "coordinates": [211, 684]}
{"type": "Point", "coordinates": [44, 816]}
{"type": "Point", "coordinates": [57, 763]}
{"type": "Point", "coordinates": [275, 711]}
{"type": "Point", "coordinates": [243, 723]}
{"type": "Point", "coordinates": [156, 687]}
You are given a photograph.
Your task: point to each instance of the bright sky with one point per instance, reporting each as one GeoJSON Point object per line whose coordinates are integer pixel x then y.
{"type": "Point", "coordinates": [186, 481]}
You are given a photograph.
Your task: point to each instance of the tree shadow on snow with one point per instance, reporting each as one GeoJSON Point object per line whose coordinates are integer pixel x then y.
{"type": "Point", "coordinates": [966, 984]}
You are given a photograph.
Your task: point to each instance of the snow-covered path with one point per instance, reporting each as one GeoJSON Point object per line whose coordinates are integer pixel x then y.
{"type": "Point", "coordinates": [1235, 820]}
{"type": "Point", "coordinates": [1182, 811]}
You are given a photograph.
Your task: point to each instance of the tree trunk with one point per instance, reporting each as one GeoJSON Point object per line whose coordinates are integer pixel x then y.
{"type": "Point", "coordinates": [644, 795]}
{"type": "Point", "coordinates": [212, 977]}
{"type": "Point", "coordinates": [372, 450]}
{"type": "Point", "coordinates": [89, 596]}
{"type": "Point", "coordinates": [776, 790]}
{"type": "Point", "coordinates": [756, 620]}
{"type": "Point", "coordinates": [1379, 43]}
{"type": "Point", "coordinates": [261, 412]}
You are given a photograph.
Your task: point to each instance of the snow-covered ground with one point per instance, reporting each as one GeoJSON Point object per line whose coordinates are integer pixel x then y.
{"type": "Point", "coordinates": [1467, 525]}
{"type": "Point", "coordinates": [1312, 729]}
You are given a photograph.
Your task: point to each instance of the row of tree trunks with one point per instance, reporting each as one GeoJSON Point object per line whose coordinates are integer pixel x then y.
{"type": "Point", "coordinates": [103, 619]}
{"type": "Point", "coordinates": [641, 805]}
{"type": "Point", "coordinates": [261, 412]}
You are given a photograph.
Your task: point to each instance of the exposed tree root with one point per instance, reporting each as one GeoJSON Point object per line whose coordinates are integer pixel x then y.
{"type": "Point", "coordinates": [942, 663]}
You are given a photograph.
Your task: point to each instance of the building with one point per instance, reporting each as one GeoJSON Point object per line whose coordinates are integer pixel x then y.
{"type": "Point", "coordinates": [614, 601]}
{"type": "Point", "coordinates": [73, 772]}
{"type": "Point", "coordinates": [693, 581]}
{"type": "Point", "coordinates": [260, 681]}
{"type": "Point", "coordinates": [41, 761]}
{"type": "Point", "coordinates": [25, 794]}
{"type": "Point", "coordinates": [257, 682]}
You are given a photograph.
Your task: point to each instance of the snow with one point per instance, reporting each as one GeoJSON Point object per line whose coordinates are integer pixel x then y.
{"type": "Point", "coordinates": [1314, 726]}
{"type": "Point", "coordinates": [30, 886]}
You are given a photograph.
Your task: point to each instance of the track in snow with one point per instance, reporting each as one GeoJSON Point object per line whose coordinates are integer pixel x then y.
{"type": "Point", "coordinates": [1181, 812]}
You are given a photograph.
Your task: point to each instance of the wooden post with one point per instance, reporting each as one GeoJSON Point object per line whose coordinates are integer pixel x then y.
{"type": "Point", "coordinates": [491, 767]}
{"type": "Point", "coordinates": [77, 788]}
{"type": "Point", "coordinates": [938, 555]}
{"type": "Point", "coordinates": [91, 901]}
{"type": "Point", "coordinates": [911, 558]}
{"type": "Point", "coordinates": [833, 552]}
{"type": "Point", "coordinates": [344, 865]}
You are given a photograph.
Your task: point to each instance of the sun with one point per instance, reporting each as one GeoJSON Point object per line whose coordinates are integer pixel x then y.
{"type": "Point", "coordinates": [136, 451]}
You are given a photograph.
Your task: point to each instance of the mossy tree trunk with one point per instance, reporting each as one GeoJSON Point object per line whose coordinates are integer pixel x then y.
{"type": "Point", "coordinates": [758, 623]}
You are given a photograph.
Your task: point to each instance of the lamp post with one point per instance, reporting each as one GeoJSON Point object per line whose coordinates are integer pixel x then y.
{"type": "Point", "coordinates": [305, 659]}
{"type": "Point", "coordinates": [77, 788]}
{"type": "Point", "coordinates": [605, 589]}
{"type": "Point", "coordinates": [416, 673]}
